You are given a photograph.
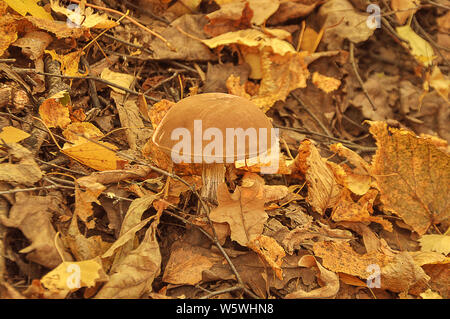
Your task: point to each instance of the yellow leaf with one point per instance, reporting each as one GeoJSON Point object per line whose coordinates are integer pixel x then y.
{"type": "Point", "coordinates": [87, 19]}
{"type": "Point", "coordinates": [440, 82]}
{"type": "Point", "coordinates": [413, 176]}
{"type": "Point", "coordinates": [11, 134]}
{"type": "Point", "coordinates": [72, 275]}
{"type": "Point", "coordinates": [325, 83]}
{"type": "Point", "coordinates": [54, 114]}
{"type": "Point", "coordinates": [94, 155]}
{"type": "Point", "coordinates": [121, 79]}
{"type": "Point", "coordinates": [86, 129]}
{"type": "Point", "coordinates": [438, 243]}
{"type": "Point", "coordinates": [420, 49]}
{"type": "Point", "coordinates": [29, 6]}
{"type": "Point", "coordinates": [69, 62]}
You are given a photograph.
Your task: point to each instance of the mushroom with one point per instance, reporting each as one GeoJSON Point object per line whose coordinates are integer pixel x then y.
{"type": "Point", "coordinates": [214, 130]}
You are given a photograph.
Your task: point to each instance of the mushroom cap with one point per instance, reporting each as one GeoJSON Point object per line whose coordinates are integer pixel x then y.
{"type": "Point", "coordinates": [221, 113]}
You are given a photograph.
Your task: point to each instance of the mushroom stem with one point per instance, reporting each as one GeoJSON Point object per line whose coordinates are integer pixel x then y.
{"type": "Point", "coordinates": [212, 175]}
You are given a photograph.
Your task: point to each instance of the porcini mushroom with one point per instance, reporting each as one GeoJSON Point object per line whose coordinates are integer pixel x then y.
{"type": "Point", "coordinates": [214, 130]}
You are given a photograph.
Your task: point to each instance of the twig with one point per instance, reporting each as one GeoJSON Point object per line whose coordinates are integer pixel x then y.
{"type": "Point", "coordinates": [91, 85]}
{"type": "Point", "coordinates": [60, 167]}
{"type": "Point", "coordinates": [132, 21]}
{"type": "Point", "coordinates": [98, 80]}
{"type": "Point", "coordinates": [352, 59]}
{"type": "Point", "coordinates": [12, 191]}
{"type": "Point", "coordinates": [241, 285]}
{"type": "Point", "coordinates": [432, 42]}
{"type": "Point", "coordinates": [307, 109]}
{"type": "Point", "coordinates": [350, 144]}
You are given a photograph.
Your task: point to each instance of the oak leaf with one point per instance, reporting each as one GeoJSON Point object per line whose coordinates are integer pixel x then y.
{"type": "Point", "coordinates": [243, 210]}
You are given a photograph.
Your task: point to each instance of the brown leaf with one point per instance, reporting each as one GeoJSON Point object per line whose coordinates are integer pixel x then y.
{"type": "Point", "coordinates": [270, 251]}
{"type": "Point", "coordinates": [32, 215]}
{"type": "Point", "coordinates": [54, 114]}
{"type": "Point", "coordinates": [347, 210]}
{"type": "Point", "coordinates": [187, 263]}
{"type": "Point", "coordinates": [329, 280]}
{"type": "Point", "coordinates": [25, 171]}
{"type": "Point", "coordinates": [243, 210]}
{"type": "Point", "coordinates": [134, 275]}
{"type": "Point", "coordinates": [323, 190]}
{"type": "Point", "coordinates": [413, 177]}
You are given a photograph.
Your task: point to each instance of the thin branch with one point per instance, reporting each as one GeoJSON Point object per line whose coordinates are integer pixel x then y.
{"type": "Point", "coordinates": [355, 69]}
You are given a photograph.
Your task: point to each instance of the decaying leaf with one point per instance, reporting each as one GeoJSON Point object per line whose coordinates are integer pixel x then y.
{"type": "Point", "coordinates": [329, 281]}
{"type": "Point", "coordinates": [438, 243]}
{"type": "Point", "coordinates": [99, 155]}
{"type": "Point", "coordinates": [23, 170]}
{"type": "Point", "coordinates": [134, 274]}
{"type": "Point", "coordinates": [187, 263]}
{"type": "Point", "coordinates": [243, 210]}
{"type": "Point", "coordinates": [323, 190]}
{"type": "Point", "coordinates": [421, 50]}
{"type": "Point", "coordinates": [70, 276]}
{"type": "Point", "coordinates": [122, 79]}
{"type": "Point", "coordinates": [413, 176]}
{"type": "Point", "coordinates": [54, 114]}
{"type": "Point", "coordinates": [32, 215]}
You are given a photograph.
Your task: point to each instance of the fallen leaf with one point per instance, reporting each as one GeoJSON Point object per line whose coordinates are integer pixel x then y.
{"type": "Point", "coordinates": [348, 210]}
{"type": "Point", "coordinates": [351, 26]}
{"type": "Point", "coordinates": [70, 276]}
{"type": "Point", "coordinates": [33, 44]}
{"type": "Point", "coordinates": [323, 190]}
{"type": "Point", "coordinates": [134, 274]}
{"type": "Point", "coordinates": [87, 191]}
{"type": "Point", "coordinates": [122, 79]}
{"type": "Point", "coordinates": [24, 170]}
{"type": "Point", "coordinates": [270, 251]}
{"type": "Point", "coordinates": [430, 294]}
{"type": "Point", "coordinates": [187, 263]}
{"type": "Point", "coordinates": [325, 83]}
{"type": "Point", "coordinates": [421, 50]}
{"type": "Point", "coordinates": [440, 82]}
{"type": "Point", "coordinates": [29, 6]}
{"type": "Point", "coordinates": [328, 279]}
{"type": "Point", "coordinates": [438, 243]}
{"type": "Point", "coordinates": [10, 134]}
{"type": "Point", "coordinates": [32, 215]}
{"type": "Point", "coordinates": [54, 114]}
{"type": "Point", "coordinates": [99, 155]}
{"type": "Point", "coordinates": [413, 176]}
{"type": "Point", "coordinates": [243, 210]}
{"type": "Point", "coordinates": [87, 130]}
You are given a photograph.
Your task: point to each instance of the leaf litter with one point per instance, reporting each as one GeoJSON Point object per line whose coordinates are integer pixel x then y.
{"type": "Point", "coordinates": [91, 203]}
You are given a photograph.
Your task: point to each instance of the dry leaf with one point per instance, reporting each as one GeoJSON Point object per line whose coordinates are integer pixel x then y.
{"type": "Point", "coordinates": [187, 263]}
{"type": "Point", "coordinates": [70, 276]}
{"type": "Point", "coordinates": [243, 210]}
{"type": "Point", "coordinates": [438, 243]}
{"type": "Point", "coordinates": [270, 251]}
{"type": "Point", "coordinates": [99, 155]}
{"type": "Point", "coordinates": [401, 9]}
{"type": "Point", "coordinates": [134, 274]}
{"type": "Point", "coordinates": [29, 6]}
{"type": "Point", "coordinates": [419, 48]}
{"type": "Point", "coordinates": [87, 190]}
{"type": "Point", "coordinates": [24, 170]}
{"type": "Point", "coordinates": [122, 79]}
{"type": "Point", "coordinates": [325, 83]}
{"type": "Point", "coordinates": [54, 114]}
{"type": "Point", "coordinates": [323, 190]}
{"type": "Point", "coordinates": [328, 279]}
{"type": "Point", "coordinates": [347, 210]}
{"type": "Point", "coordinates": [87, 130]}
{"type": "Point", "coordinates": [32, 215]}
{"type": "Point", "coordinates": [413, 176]}
{"type": "Point", "coordinates": [10, 134]}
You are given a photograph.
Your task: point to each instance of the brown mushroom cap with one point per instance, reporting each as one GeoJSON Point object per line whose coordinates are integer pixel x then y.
{"type": "Point", "coordinates": [215, 110]}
